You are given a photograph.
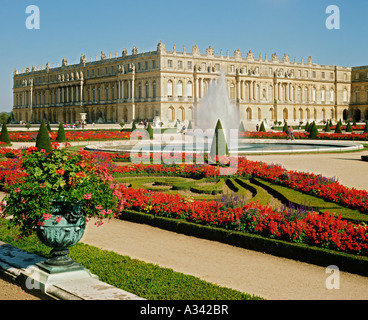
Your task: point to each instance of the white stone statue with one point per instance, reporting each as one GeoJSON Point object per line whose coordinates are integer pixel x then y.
{"type": "Point", "coordinates": [83, 59]}
{"type": "Point", "coordinates": [64, 63]}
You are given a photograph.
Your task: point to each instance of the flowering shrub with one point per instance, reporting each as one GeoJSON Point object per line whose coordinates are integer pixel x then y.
{"type": "Point", "coordinates": [58, 176]}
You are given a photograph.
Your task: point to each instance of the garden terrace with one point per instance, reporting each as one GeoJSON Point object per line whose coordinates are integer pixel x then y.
{"type": "Point", "coordinates": [259, 199]}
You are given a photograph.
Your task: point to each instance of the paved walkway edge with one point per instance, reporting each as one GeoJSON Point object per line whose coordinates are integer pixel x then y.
{"type": "Point", "coordinates": [19, 267]}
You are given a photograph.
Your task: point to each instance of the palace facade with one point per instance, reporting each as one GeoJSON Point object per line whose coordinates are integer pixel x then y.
{"type": "Point", "coordinates": [170, 85]}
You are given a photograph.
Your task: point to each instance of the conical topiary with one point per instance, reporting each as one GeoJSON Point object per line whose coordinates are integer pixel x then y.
{"type": "Point", "coordinates": [43, 141]}
{"type": "Point", "coordinates": [134, 127]}
{"type": "Point", "coordinates": [262, 128]}
{"type": "Point", "coordinates": [150, 131]}
{"type": "Point", "coordinates": [190, 127]}
{"type": "Point", "coordinates": [366, 127]}
{"type": "Point", "coordinates": [5, 134]}
{"type": "Point", "coordinates": [61, 136]}
{"type": "Point", "coordinates": [306, 128]}
{"type": "Point", "coordinates": [313, 131]}
{"type": "Point", "coordinates": [285, 128]}
{"type": "Point", "coordinates": [48, 126]}
{"type": "Point", "coordinates": [338, 128]}
{"type": "Point", "coordinates": [327, 128]}
{"type": "Point", "coordinates": [348, 127]}
{"type": "Point", "coordinates": [219, 145]}
{"type": "Point", "coordinates": [241, 127]}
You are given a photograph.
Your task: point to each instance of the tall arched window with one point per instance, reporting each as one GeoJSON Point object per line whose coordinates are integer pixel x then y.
{"type": "Point", "coordinates": [306, 94]}
{"type": "Point", "coordinates": [232, 91]}
{"type": "Point", "coordinates": [189, 89]}
{"type": "Point", "coordinates": [314, 94]}
{"type": "Point", "coordinates": [180, 89]}
{"type": "Point", "coordinates": [299, 94]}
{"type": "Point", "coordinates": [249, 114]}
{"type": "Point", "coordinates": [154, 89]}
{"type": "Point", "coordinates": [140, 90]}
{"type": "Point", "coordinates": [171, 114]}
{"type": "Point", "coordinates": [147, 89]}
{"type": "Point", "coordinates": [332, 95]}
{"type": "Point", "coordinates": [345, 95]}
{"type": "Point", "coordinates": [169, 88]}
{"type": "Point", "coordinates": [323, 95]}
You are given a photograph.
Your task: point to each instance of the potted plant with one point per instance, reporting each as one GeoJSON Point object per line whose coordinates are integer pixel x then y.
{"type": "Point", "coordinates": [60, 191]}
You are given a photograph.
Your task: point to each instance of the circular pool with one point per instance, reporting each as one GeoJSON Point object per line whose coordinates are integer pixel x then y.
{"type": "Point", "coordinates": [244, 146]}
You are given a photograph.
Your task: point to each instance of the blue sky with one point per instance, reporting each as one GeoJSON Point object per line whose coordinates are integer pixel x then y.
{"type": "Point", "coordinates": [70, 28]}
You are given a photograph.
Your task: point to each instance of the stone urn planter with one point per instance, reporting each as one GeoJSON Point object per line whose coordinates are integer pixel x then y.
{"type": "Point", "coordinates": [63, 230]}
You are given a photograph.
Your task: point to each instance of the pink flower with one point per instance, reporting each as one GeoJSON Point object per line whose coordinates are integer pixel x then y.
{"type": "Point", "coordinates": [103, 212]}
{"type": "Point", "coordinates": [98, 207]}
{"type": "Point", "coordinates": [16, 190]}
{"type": "Point", "coordinates": [58, 219]}
{"type": "Point", "coordinates": [88, 196]}
{"type": "Point", "coordinates": [98, 223]}
{"type": "Point", "coordinates": [47, 216]}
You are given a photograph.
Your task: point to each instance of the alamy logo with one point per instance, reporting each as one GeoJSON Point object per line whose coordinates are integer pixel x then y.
{"type": "Point", "coordinates": [33, 20]}
{"type": "Point", "coordinates": [333, 281]}
{"type": "Point", "coordinates": [333, 20]}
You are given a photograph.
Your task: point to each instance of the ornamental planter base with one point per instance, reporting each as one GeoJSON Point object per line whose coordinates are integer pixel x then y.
{"type": "Point", "coordinates": [61, 232]}
{"type": "Point", "coordinates": [52, 269]}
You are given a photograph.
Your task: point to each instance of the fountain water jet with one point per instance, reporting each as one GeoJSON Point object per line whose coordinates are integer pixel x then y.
{"type": "Point", "coordinates": [216, 105]}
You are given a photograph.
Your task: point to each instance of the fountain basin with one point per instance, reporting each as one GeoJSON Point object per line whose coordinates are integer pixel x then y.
{"type": "Point", "coordinates": [244, 147]}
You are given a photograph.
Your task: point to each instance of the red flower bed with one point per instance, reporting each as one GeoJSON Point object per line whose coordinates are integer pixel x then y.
{"type": "Point", "coordinates": [325, 230]}
{"type": "Point", "coordinates": [86, 135]}
{"type": "Point", "coordinates": [305, 135]}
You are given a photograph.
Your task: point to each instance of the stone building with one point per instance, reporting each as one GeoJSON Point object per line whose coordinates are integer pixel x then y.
{"type": "Point", "coordinates": [359, 94]}
{"type": "Point", "coordinates": [170, 85]}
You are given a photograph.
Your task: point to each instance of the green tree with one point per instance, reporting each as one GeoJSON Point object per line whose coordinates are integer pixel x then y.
{"type": "Point", "coordinates": [366, 127]}
{"type": "Point", "coordinates": [285, 128]}
{"type": "Point", "coordinates": [5, 134]}
{"type": "Point", "coordinates": [43, 141]}
{"type": "Point", "coordinates": [262, 128]}
{"type": "Point", "coordinates": [327, 127]}
{"type": "Point", "coordinates": [190, 127]}
{"type": "Point", "coordinates": [338, 127]}
{"type": "Point", "coordinates": [306, 128]}
{"type": "Point", "coordinates": [313, 131]}
{"type": "Point", "coordinates": [150, 131]}
{"type": "Point", "coordinates": [241, 127]}
{"type": "Point", "coordinates": [61, 136]}
{"type": "Point", "coordinates": [219, 145]}
{"type": "Point", "coordinates": [48, 126]}
{"type": "Point", "coordinates": [134, 127]}
{"type": "Point", "coordinates": [4, 117]}
{"type": "Point", "coordinates": [348, 127]}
